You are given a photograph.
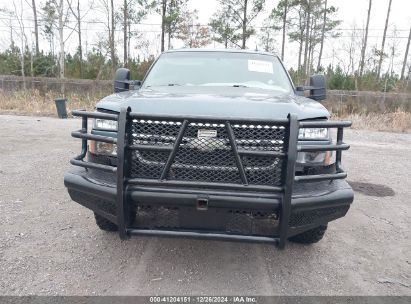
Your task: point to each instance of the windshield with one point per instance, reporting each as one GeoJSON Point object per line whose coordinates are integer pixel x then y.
{"type": "Point", "coordinates": [243, 70]}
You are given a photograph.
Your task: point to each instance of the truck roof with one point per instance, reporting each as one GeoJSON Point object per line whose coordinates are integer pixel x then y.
{"type": "Point", "coordinates": [220, 50]}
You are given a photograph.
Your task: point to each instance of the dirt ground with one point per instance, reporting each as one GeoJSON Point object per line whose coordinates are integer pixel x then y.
{"type": "Point", "coordinates": [50, 245]}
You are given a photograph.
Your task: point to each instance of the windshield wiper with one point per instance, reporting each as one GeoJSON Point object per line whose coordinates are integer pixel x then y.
{"type": "Point", "coordinates": [165, 85]}
{"type": "Point", "coordinates": [239, 86]}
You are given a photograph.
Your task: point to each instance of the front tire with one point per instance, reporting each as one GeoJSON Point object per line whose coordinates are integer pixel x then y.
{"type": "Point", "coordinates": [106, 225]}
{"type": "Point", "coordinates": [311, 236]}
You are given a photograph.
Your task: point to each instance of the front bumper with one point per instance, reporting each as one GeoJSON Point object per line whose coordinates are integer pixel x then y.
{"type": "Point", "coordinates": [312, 204]}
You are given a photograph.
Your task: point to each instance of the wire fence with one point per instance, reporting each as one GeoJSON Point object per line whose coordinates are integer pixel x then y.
{"type": "Point", "coordinates": [65, 86]}
{"type": "Point", "coordinates": [338, 101]}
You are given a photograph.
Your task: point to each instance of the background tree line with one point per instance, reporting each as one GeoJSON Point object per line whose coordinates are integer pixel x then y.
{"type": "Point", "coordinates": [305, 23]}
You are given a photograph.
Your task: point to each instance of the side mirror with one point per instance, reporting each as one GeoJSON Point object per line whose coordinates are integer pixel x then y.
{"type": "Point", "coordinates": [122, 80]}
{"type": "Point", "coordinates": [300, 90]}
{"type": "Point", "coordinates": [136, 84]}
{"type": "Point", "coordinates": [123, 83]}
{"type": "Point", "coordinates": [318, 85]}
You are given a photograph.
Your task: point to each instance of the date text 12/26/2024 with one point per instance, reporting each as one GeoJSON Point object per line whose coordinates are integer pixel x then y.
{"type": "Point", "coordinates": [203, 299]}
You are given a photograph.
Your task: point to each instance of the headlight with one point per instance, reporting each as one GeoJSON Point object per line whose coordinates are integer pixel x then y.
{"type": "Point", "coordinates": [102, 148]}
{"type": "Point", "coordinates": [313, 133]}
{"type": "Point", "coordinates": [314, 158]}
{"type": "Point", "coordinates": [106, 148]}
{"type": "Point", "coordinates": [104, 124]}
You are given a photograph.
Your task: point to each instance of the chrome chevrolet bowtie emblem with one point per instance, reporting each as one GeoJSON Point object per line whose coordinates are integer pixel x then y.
{"type": "Point", "coordinates": [207, 140]}
{"type": "Point", "coordinates": [206, 134]}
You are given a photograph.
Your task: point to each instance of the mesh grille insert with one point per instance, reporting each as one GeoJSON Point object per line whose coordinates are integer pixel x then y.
{"type": "Point", "coordinates": [205, 152]}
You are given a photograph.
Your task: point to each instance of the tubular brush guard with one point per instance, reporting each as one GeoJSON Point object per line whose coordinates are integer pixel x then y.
{"type": "Point", "coordinates": [203, 156]}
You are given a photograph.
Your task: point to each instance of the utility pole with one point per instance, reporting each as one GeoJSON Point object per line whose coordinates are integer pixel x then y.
{"type": "Point", "coordinates": [36, 26]}
{"type": "Point", "coordinates": [307, 37]}
{"type": "Point", "coordinates": [163, 23]}
{"type": "Point", "coordinates": [322, 36]}
{"type": "Point", "coordinates": [284, 28]}
{"type": "Point", "coordinates": [244, 24]}
{"type": "Point", "coordinates": [404, 65]}
{"type": "Point", "coordinates": [364, 46]}
{"type": "Point", "coordinates": [383, 40]}
{"type": "Point", "coordinates": [125, 13]}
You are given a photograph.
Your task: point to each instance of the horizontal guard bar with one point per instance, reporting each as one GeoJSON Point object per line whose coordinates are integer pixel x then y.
{"type": "Point", "coordinates": [240, 151]}
{"type": "Point", "coordinates": [101, 115]}
{"type": "Point", "coordinates": [202, 235]}
{"type": "Point", "coordinates": [220, 120]}
{"type": "Point", "coordinates": [325, 124]}
{"type": "Point", "coordinates": [150, 148]}
{"type": "Point", "coordinates": [318, 148]}
{"type": "Point", "coordinates": [260, 153]}
{"type": "Point", "coordinates": [320, 177]}
{"type": "Point", "coordinates": [83, 135]}
{"type": "Point", "coordinates": [89, 165]}
{"type": "Point", "coordinates": [176, 183]}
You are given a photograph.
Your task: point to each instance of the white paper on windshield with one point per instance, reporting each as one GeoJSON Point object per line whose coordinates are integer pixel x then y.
{"type": "Point", "coordinates": [260, 66]}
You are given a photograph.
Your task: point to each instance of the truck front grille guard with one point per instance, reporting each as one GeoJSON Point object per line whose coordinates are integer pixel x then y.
{"type": "Point", "coordinates": [283, 149]}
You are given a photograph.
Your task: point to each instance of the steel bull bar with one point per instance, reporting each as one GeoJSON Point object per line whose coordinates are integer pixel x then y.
{"type": "Point", "coordinates": [126, 146]}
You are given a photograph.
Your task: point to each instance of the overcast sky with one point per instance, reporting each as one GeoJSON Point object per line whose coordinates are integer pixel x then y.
{"type": "Point", "coordinates": [351, 12]}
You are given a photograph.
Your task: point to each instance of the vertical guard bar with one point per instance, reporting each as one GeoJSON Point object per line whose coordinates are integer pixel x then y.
{"type": "Point", "coordinates": [237, 157]}
{"type": "Point", "coordinates": [173, 153]}
{"type": "Point", "coordinates": [339, 152]}
{"type": "Point", "coordinates": [121, 202]}
{"type": "Point", "coordinates": [83, 140]}
{"type": "Point", "coordinates": [289, 178]}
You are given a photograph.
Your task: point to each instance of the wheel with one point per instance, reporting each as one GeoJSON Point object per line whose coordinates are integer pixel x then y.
{"type": "Point", "coordinates": [106, 225]}
{"type": "Point", "coordinates": [311, 236]}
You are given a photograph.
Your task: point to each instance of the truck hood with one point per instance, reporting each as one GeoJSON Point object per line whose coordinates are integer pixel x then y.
{"type": "Point", "coordinates": [233, 102]}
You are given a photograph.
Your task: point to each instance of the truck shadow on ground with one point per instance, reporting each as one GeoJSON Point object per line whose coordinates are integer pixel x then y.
{"type": "Point", "coordinates": [170, 263]}
{"type": "Point", "coordinates": [370, 189]}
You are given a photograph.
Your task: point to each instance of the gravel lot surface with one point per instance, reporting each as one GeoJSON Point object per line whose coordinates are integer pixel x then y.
{"type": "Point", "coordinates": [50, 245]}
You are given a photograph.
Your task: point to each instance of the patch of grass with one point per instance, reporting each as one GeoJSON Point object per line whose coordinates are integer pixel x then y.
{"type": "Point", "coordinates": [31, 102]}
{"type": "Point", "coordinates": [343, 102]}
{"type": "Point", "coordinates": [373, 111]}
{"type": "Point", "coordinates": [398, 121]}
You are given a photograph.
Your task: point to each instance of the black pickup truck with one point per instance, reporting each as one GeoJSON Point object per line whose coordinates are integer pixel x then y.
{"type": "Point", "coordinates": [212, 144]}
